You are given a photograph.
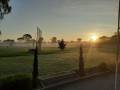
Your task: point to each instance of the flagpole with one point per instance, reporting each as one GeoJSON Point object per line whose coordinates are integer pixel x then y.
{"type": "Point", "coordinates": [118, 48]}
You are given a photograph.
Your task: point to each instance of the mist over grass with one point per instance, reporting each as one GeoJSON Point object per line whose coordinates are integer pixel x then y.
{"type": "Point", "coordinates": [15, 60]}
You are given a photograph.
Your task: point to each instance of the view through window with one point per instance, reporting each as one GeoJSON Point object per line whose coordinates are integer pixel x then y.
{"type": "Point", "coordinates": [59, 45]}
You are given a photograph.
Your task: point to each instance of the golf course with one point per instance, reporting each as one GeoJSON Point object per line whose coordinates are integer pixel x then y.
{"type": "Point", "coordinates": [52, 60]}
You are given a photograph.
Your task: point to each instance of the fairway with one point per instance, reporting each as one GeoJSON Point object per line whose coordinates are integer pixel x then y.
{"type": "Point", "coordinates": [52, 61]}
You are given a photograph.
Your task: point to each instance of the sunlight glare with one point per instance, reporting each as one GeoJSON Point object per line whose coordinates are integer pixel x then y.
{"type": "Point", "coordinates": [94, 38]}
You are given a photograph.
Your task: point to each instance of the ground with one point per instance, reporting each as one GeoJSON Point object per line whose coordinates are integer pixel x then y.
{"type": "Point", "coordinates": [105, 82]}
{"type": "Point", "coordinates": [52, 61]}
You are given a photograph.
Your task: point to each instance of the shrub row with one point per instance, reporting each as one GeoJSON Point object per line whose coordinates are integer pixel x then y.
{"type": "Point", "coordinates": [16, 82]}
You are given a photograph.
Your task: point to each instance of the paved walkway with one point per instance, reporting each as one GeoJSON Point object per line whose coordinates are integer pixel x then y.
{"type": "Point", "coordinates": [105, 82]}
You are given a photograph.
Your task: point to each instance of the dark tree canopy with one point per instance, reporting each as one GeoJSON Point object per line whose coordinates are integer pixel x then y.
{"type": "Point", "coordinates": [62, 44]}
{"type": "Point", "coordinates": [20, 38]}
{"type": "Point", "coordinates": [54, 39]}
{"type": "Point", "coordinates": [5, 8]}
{"type": "Point", "coordinates": [79, 39]}
{"type": "Point", "coordinates": [27, 37]}
{"type": "Point", "coordinates": [9, 40]}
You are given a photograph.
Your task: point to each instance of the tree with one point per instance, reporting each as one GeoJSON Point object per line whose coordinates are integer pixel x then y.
{"type": "Point", "coordinates": [62, 44]}
{"type": "Point", "coordinates": [20, 39]}
{"type": "Point", "coordinates": [54, 40]}
{"type": "Point", "coordinates": [10, 42]}
{"type": "Point", "coordinates": [104, 38]}
{"type": "Point", "coordinates": [79, 39]}
{"type": "Point", "coordinates": [5, 8]}
{"type": "Point", "coordinates": [114, 37]}
{"type": "Point", "coordinates": [27, 37]}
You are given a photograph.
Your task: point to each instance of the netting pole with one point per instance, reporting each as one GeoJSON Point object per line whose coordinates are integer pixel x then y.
{"type": "Point", "coordinates": [118, 48]}
{"type": "Point", "coordinates": [35, 66]}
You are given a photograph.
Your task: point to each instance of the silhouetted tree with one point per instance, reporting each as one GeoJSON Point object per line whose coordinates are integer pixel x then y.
{"type": "Point", "coordinates": [104, 38]}
{"type": "Point", "coordinates": [5, 8]}
{"type": "Point", "coordinates": [79, 39]}
{"type": "Point", "coordinates": [10, 42]}
{"type": "Point", "coordinates": [62, 44]}
{"type": "Point", "coordinates": [72, 41]}
{"type": "Point", "coordinates": [53, 40]}
{"type": "Point", "coordinates": [20, 39]}
{"type": "Point", "coordinates": [114, 37]}
{"type": "Point", "coordinates": [27, 37]}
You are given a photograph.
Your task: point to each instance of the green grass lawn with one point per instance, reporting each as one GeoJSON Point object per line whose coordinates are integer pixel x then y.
{"type": "Point", "coordinates": [52, 60]}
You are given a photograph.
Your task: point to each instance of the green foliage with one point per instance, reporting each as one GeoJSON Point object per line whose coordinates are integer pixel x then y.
{"type": "Point", "coordinates": [5, 8]}
{"type": "Point", "coordinates": [16, 82]}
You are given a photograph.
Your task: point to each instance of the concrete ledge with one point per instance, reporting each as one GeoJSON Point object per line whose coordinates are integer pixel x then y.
{"type": "Point", "coordinates": [70, 80]}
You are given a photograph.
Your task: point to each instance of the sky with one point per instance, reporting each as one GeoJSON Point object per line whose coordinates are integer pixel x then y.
{"type": "Point", "coordinates": [68, 19]}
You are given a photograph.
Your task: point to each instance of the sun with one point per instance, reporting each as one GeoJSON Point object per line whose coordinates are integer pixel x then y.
{"type": "Point", "coordinates": [94, 38]}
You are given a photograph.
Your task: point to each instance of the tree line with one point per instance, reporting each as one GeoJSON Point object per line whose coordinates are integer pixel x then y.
{"type": "Point", "coordinates": [105, 40]}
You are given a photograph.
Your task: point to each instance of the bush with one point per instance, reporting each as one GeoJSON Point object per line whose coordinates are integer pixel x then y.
{"type": "Point", "coordinates": [62, 44]}
{"type": "Point", "coordinates": [102, 67]}
{"type": "Point", "coordinates": [16, 82]}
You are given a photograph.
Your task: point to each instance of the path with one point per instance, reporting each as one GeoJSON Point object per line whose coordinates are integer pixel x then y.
{"type": "Point", "coordinates": [105, 82]}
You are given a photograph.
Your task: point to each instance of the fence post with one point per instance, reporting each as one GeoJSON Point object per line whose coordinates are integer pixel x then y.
{"type": "Point", "coordinates": [81, 61]}
{"type": "Point", "coordinates": [35, 69]}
